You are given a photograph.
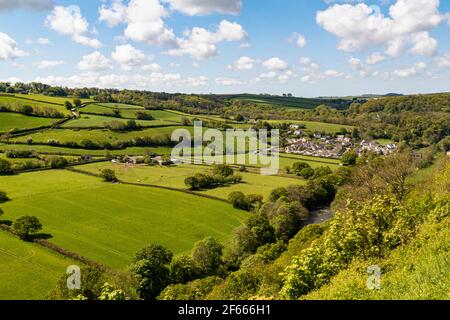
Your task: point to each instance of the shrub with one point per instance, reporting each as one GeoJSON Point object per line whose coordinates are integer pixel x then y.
{"type": "Point", "coordinates": [108, 175]}
{"type": "Point", "coordinates": [5, 167]}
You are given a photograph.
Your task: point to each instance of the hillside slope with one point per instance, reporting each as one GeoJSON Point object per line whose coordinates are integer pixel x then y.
{"type": "Point", "coordinates": [417, 271]}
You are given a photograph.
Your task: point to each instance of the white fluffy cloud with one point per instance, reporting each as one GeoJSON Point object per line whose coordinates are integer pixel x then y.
{"type": "Point", "coordinates": [229, 81]}
{"type": "Point", "coordinates": [70, 22]}
{"type": "Point", "coordinates": [275, 64]}
{"type": "Point", "coordinates": [357, 65]}
{"type": "Point", "coordinates": [144, 19]}
{"type": "Point", "coordinates": [26, 4]}
{"type": "Point", "coordinates": [202, 44]}
{"type": "Point", "coordinates": [299, 40]}
{"type": "Point", "coordinates": [94, 62]}
{"type": "Point", "coordinates": [47, 64]}
{"type": "Point", "coordinates": [406, 28]}
{"type": "Point", "coordinates": [154, 67]}
{"type": "Point", "coordinates": [375, 58]}
{"type": "Point", "coordinates": [128, 57]}
{"type": "Point", "coordinates": [409, 72]}
{"type": "Point", "coordinates": [9, 49]}
{"type": "Point", "coordinates": [313, 72]}
{"type": "Point", "coordinates": [443, 61]}
{"type": "Point", "coordinates": [202, 7]}
{"type": "Point", "coordinates": [243, 63]}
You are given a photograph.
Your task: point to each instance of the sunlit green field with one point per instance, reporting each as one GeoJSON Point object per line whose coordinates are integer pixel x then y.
{"type": "Point", "coordinates": [14, 102]}
{"type": "Point", "coordinates": [9, 121]}
{"type": "Point", "coordinates": [69, 151]}
{"type": "Point", "coordinates": [108, 223]}
{"type": "Point", "coordinates": [88, 120]}
{"type": "Point", "coordinates": [44, 98]}
{"type": "Point", "coordinates": [97, 135]}
{"type": "Point", "coordinates": [174, 176]}
{"type": "Point", "coordinates": [28, 271]}
{"type": "Point", "coordinates": [131, 112]}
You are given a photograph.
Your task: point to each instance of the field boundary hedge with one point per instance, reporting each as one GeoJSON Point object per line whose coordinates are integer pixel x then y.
{"type": "Point", "coordinates": [152, 186]}
{"type": "Point", "coordinates": [59, 250]}
{"type": "Point", "coordinates": [24, 132]}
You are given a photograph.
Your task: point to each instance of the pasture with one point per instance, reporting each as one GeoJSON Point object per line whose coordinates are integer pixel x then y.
{"type": "Point", "coordinates": [96, 135]}
{"type": "Point", "coordinates": [9, 121]}
{"type": "Point", "coordinates": [88, 120]}
{"type": "Point", "coordinates": [14, 102]}
{"type": "Point", "coordinates": [44, 98]}
{"type": "Point", "coordinates": [108, 223]}
{"type": "Point", "coordinates": [131, 113]}
{"type": "Point", "coordinates": [174, 177]}
{"type": "Point", "coordinates": [44, 149]}
{"type": "Point", "coordinates": [28, 271]}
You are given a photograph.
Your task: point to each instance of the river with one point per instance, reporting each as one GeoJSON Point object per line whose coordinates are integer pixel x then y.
{"type": "Point", "coordinates": [319, 216]}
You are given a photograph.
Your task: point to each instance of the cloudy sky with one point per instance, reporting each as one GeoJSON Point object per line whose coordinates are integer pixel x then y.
{"type": "Point", "coordinates": [305, 47]}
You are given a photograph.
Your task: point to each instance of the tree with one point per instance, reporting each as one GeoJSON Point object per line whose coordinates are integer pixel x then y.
{"type": "Point", "coordinates": [25, 226]}
{"type": "Point", "coordinates": [150, 269]}
{"type": "Point", "coordinates": [207, 254]}
{"type": "Point", "coordinates": [297, 167]}
{"type": "Point", "coordinates": [92, 285]}
{"type": "Point", "coordinates": [183, 269]}
{"type": "Point", "coordinates": [3, 197]}
{"type": "Point", "coordinates": [5, 167]}
{"type": "Point", "coordinates": [192, 183]}
{"type": "Point", "coordinates": [240, 118]}
{"type": "Point", "coordinates": [77, 103]}
{"type": "Point", "coordinates": [57, 162]}
{"type": "Point", "coordinates": [239, 200]}
{"type": "Point", "coordinates": [108, 175]}
{"type": "Point", "coordinates": [395, 171]}
{"type": "Point", "coordinates": [68, 105]}
{"type": "Point", "coordinates": [261, 229]}
{"type": "Point", "coordinates": [141, 115]}
{"type": "Point", "coordinates": [349, 158]}
{"type": "Point", "coordinates": [223, 170]}
{"type": "Point", "coordinates": [278, 193]}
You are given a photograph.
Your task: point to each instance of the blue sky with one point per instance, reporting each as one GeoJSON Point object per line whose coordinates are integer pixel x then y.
{"type": "Point", "coordinates": [305, 47]}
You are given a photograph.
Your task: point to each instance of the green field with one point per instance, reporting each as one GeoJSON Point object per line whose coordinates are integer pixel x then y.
{"type": "Point", "coordinates": [97, 135]}
{"type": "Point", "coordinates": [15, 102]}
{"type": "Point", "coordinates": [86, 121]}
{"type": "Point", "coordinates": [28, 271]}
{"type": "Point", "coordinates": [174, 177]}
{"type": "Point", "coordinates": [44, 98]}
{"type": "Point", "coordinates": [131, 113]}
{"type": "Point", "coordinates": [120, 106]}
{"type": "Point", "coordinates": [69, 151]}
{"type": "Point", "coordinates": [108, 223]}
{"type": "Point", "coordinates": [314, 162]}
{"type": "Point", "coordinates": [9, 121]}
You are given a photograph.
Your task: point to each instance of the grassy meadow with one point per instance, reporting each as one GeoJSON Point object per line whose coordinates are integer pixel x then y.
{"type": "Point", "coordinates": [174, 177]}
{"type": "Point", "coordinates": [15, 102]}
{"type": "Point", "coordinates": [96, 135]}
{"type": "Point", "coordinates": [88, 120]}
{"type": "Point", "coordinates": [44, 149]}
{"type": "Point", "coordinates": [108, 223]}
{"type": "Point", "coordinates": [28, 271]}
{"type": "Point", "coordinates": [9, 121]}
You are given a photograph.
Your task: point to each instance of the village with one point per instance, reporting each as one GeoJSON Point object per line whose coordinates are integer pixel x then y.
{"type": "Point", "coordinates": [327, 146]}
